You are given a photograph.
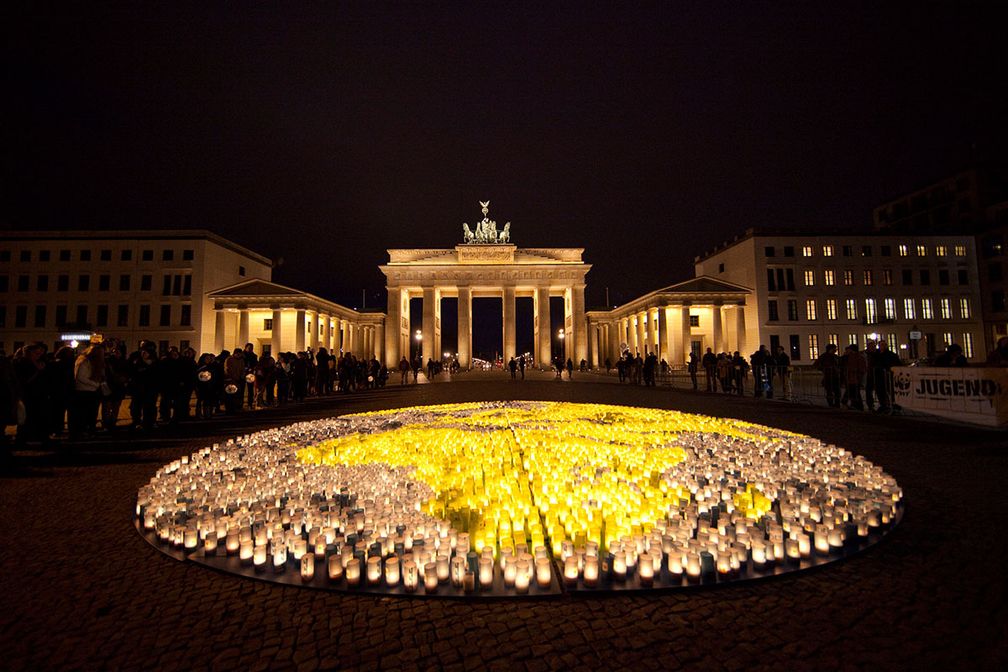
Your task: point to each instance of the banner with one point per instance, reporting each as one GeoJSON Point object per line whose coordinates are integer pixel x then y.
{"type": "Point", "coordinates": [978, 395]}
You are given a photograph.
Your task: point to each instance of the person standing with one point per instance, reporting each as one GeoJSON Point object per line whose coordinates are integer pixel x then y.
{"type": "Point", "coordinates": [855, 368]}
{"type": "Point", "coordinates": [885, 359]}
{"type": "Point", "coordinates": [251, 362]}
{"type": "Point", "coordinates": [782, 367]}
{"type": "Point", "coordinates": [29, 370]}
{"type": "Point", "coordinates": [739, 367]}
{"type": "Point", "coordinates": [521, 366]}
{"type": "Point", "coordinates": [513, 368]}
{"type": "Point", "coordinates": [691, 367]}
{"type": "Point", "coordinates": [404, 369]}
{"type": "Point", "coordinates": [234, 381]}
{"type": "Point", "coordinates": [869, 385]}
{"type": "Point", "coordinates": [89, 378]}
{"type": "Point", "coordinates": [762, 363]}
{"type": "Point", "coordinates": [709, 362]}
{"type": "Point", "coordinates": [570, 368]}
{"type": "Point", "coordinates": [829, 364]}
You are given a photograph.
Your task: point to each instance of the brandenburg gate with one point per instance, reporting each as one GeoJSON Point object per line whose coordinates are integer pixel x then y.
{"type": "Point", "coordinates": [485, 265]}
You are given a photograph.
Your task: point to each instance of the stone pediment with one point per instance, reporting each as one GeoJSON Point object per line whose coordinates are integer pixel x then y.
{"type": "Point", "coordinates": [255, 288]}
{"type": "Point", "coordinates": [486, 254]}
{"type": "Point", "coordinates": [705, 285]}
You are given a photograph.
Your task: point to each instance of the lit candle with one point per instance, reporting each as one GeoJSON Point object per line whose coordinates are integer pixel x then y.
{"type": "Point", "coordinates": [458, 570]}
{"type": "Point", "coordinates": [431, 578]}
{"type": "Point", "coordinates": [571, 570]}
{"type": "Point", "coordinates": [544, 574]}
{"type": "Point", "coordinates": [245, 552]}
{"type": "Point", "coordinates": [279, 559]}
{"type": "Point", "coordinates": [259, 558]}
{"type": "Point", "coordinates": [469, 582]}
{"type": "Point", "coordinates": [231, 542]}
{"type": "Point", "coordinates": [442, 567]}
{"type": "Point", "coordinates": [791, 550]}
{"type": "Point", "coordinates": [352, 572]}
{"type": "Point", "coordinates": [821, 538]}
{"type": "Point", "coordinates": [522, 576]}
{"type": "Point", "coordinates": [392, 571]}
{"type": "Point", "coordinates": [410, 576]}
{"type": "Point", "coordinates": [210, 543]}
{"type": "Point", "coordinates": [759, 554]}
{"type": "Point", "coordinates": [335, 567]}
{"type": "Point", "coordinates": [619, 566]}
{"type": "Point", "coordinates": [374, 570]}
{"type": "Point", "coordinates": [486, 572]}
{"type": "Point", "coordinates": [307, 567]}
{"type": "Point", "coordinates": [836, 539]}
{"type": "Point", "coordinates": [191, 539]}
{"type": "Point", "coordinates": [693, 567]}
{"type": "Point", "coordinates": [645, 569]}
{"type": "Point", "coordinates": [804, 545]}
{"type": "Point", "coordinates": [591, 571]}
{"type": "Point", "coordinates": [510, 573]}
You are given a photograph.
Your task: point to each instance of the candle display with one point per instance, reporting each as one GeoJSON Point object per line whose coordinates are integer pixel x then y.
{"type": "Point", "coordinates": [528, 483]}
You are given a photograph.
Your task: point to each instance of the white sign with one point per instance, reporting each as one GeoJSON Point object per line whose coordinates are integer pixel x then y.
{"type": "Point", "coordinates": [977, 395]}
{"type": "Point", "coordinates": [915, 335]}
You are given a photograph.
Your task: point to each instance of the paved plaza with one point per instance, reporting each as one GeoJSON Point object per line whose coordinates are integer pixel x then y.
{"type": "Point", "coordinates": [95, 595]}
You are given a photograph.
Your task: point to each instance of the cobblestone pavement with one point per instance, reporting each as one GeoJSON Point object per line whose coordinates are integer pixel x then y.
{"type": "Point", "coordinates": [94, 595]}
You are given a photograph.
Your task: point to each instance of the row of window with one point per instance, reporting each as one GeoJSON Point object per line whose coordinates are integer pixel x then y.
{"type": "Point", "coordinates": [102, 316]}
{"type": "Point", "coordinates": [867, 250]}
{"type": "Point", "coordinates": [177, 284]}
{"type": "Point", "coordinates": [782, 279]}
{"type": "Point", "coordinates": [103, 255]}
{"type": "Point", "coordinates": [947, 339]}
{"type": "Point", "coordinates": [930, 309]}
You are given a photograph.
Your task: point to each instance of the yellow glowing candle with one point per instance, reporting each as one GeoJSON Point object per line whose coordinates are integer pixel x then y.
{"type": "Point", "coordinates": [544, 572]}
{"type": "Point", "coordinates": [486, 572]}
{"type": "Point", "coordinates": [245, 552]}
{"type": "Point", "coordinates": [522, 576]}
{"type": "Point", "coordinates": [431, 578]}
{"type": "Point", "coordinates": [571, 573]}
{"type": "Point", "coordinates": [693, 567]}
{"type": "Point", "coordinates": [259, 558]}
{"type": "Point", "coordinates": [231, 543]}
{"type": "Point", "coordinates": [591, 571]}
{"type": "Point", "coordinates": [442, 567]}
{"type": "Point", "coordinates": [210, 543]}
{"type": "Point", "coordinates": [804, 545]}
{"type": "Point", "coordinates": [619, 565]}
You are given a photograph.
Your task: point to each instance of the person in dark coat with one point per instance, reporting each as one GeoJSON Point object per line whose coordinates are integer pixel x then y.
{"type": "Point", "coordinates": [206, 386]}
{"type": "Point", "coordinates": [59, 378]}
{"type": "Point", "coordinates": [709, 363]}
{"type": "Point", "coordinates": [762, 365]}
{"type": "Point", "coordinates": [143, 386]}
{"type": "Point", "coordinates": [29, 370]}
{"type": "Point", "coordinates": [829, 364]}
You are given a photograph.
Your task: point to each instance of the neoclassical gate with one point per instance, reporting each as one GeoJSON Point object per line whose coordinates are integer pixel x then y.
{"type": "Point", "coordinates": [487, 265]}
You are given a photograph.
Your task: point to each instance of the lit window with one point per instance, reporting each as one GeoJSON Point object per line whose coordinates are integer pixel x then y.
{"type": "Point", "coordinates": [960, 250]}
{"type": "Point", "coordinates": [892, 342]}
{"type": "Point", "coordinates": [889, 306]}
{"type": "Point", "coordinates": [830, 309]}
{"type": "Point", "coordinates": [945, 308]}
{"type": "Point", "coordinates": [268, 324]}
{"type": "Point", "coordinates": [806, 251]}
{"type": "Point", "coordinates": [827, 251]}
{"type": "Point", "coordinates": [809, 278]}
{"type": "Point", "coordinates": [903, 250]}
{"type": "Point", "coordinates": [810, 309]}
{"type": "Point", "coordinates": [830, 278]}
{"type": "Point", "coordinates": [922, 250]}
{"type": "Point", "coordinates": [867, 277]}
{"type": "Point", "coordinates": [909, 309]}
{"type": "Point", "coordinates": [947, 338]}
{"type": "Point", "coordinates": [848, 278]}
{"type": "Point", "coordinates": [887, 277]}
{"type": "Point", "coordinates": [941, 251]}
{"type": "Point", "coordinates": [870, 315]}
{"type": "Point", "coordinates": [964, 308]}
{"type": "Point", "coordinates": [813, 346]}
{"type": "Point", "coordinates": [926, 313]}
{"type": "Point", "coordinates": [851, 309]}
{"type": "Point", "coordinates": [967, 344]}
{"type": "Point", "coordinates": [852, 339]}
{"type": "Point", "coordinates": [833, 339]}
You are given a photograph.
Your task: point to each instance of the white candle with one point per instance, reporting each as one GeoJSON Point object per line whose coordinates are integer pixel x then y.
{"type": "Point", "coordinates": [522, 575]}
{"type": "Point", "coordinates": [619, 565]}
{"type": "Point", "coordinates": [571, 573]}
{"type": "Point", "coordinates": [486, 572]}
{"type": "Point", "coordinates": [307, 567]}
{"type": "Point", "coordinates": [591, 571]}
{"type": "Point", "coordinates": [410, 576]}
{"type": "Point", "coordinates": [353, 572]}
{"type": "Point", "coordinates": [645, 569]}
{"type": "Point", "coordinates": [259, 558]}
{"type": "Point", "coordinates": [374, 570]}
{"type": "Point", "coordinates": [335, 567]}
{"type": "Point", "coordinates": [245, 552]}
{"type": "Point", "coordinates": [392, 571]}
{"type": "Point", "coordinates": [431, 578]}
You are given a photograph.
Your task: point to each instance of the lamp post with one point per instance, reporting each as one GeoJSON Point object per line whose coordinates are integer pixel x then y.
{"type": "Point", "coordinates": [419, 337]}
{"type": "Point", "coordinates": [563, 347]}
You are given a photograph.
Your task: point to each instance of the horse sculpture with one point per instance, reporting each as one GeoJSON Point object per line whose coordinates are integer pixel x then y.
{"type": "Point", "coordinates": [505, 235]}
{"type": "Point", "coordinates": [467, 233]}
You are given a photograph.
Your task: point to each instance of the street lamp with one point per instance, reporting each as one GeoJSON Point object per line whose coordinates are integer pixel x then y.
{"type": "Point", "coordinates": [419, 337]}
{"type": "Point", "coordinates": [563, 347]}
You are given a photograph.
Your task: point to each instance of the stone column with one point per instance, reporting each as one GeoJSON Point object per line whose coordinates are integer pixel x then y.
{"type": "Point", "coordinates": [429, 315]}
{"type": "Point", "coordinates": [740, 329]}
{"type": "Point", "coordinates": [716, 327]}
{"type": "Point", "coordinates": [465, 327]}
{"type": "Point", "coordinates": [243, 327]}
{"type": "Point", "coordinates": [686, 332]}
{"type": "Point", "coordinates": [393, 331]}
{"type": "Point", "coordinates": [544, 339]}
{"type": "Point", "coordinates": [593, 335]}
{"type": "Point", "coordinates": [218, 331]}
{"type": "Point", "coordinates": [299, 330]}
{"type": "Point", "coordinates": [653, 329]}
{"type": "Point", "coordinates": [313, 339]}
{"type": "Point", "coordinates": [358, 340]}
{"type": "Point", "coordinates": [670, 337]}
{"type": "Point", "coordinates": [379, 342]}
{"type": "Point", "coordinates": [509, 323]}
{"type": "Point", "coordinates": [641, 334]}
{"type": "Point", "coordinates": [276, 342]}
{"type": "Point", "coordinates": [580, 324]}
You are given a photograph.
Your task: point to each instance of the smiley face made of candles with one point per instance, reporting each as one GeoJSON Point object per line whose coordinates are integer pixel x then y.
{"type": "Point", "coordinates": [517, 498]}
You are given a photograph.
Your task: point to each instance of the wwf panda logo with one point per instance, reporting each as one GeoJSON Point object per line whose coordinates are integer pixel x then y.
{"type": "Point", "coordinates": [901, 382]}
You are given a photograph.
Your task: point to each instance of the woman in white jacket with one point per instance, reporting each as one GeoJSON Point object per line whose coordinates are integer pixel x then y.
{"type": "Point", "coordinates": [89, 375]}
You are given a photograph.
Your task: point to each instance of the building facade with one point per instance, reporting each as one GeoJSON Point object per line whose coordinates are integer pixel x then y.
{"type": "Point", "coordinates": [130, 285]}
{"type": "Point", "coordinates": [917, 292]}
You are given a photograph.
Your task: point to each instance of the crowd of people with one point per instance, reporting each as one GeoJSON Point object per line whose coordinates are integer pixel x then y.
{"type": "Point", "coordinates": [73, 393]}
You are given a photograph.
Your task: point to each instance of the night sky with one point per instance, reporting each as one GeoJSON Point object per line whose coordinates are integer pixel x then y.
{"type": "Point", "coordinates": [320, 137]}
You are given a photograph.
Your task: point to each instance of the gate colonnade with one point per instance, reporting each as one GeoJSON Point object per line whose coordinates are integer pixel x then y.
{"type": "Point", "coordinates": [474, 271]}
{"type": "Point", "coordinates": [669, 321]}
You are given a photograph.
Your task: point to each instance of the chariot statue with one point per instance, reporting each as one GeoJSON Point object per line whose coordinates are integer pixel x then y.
{"type": "Point", "coordinates": [486, 232]}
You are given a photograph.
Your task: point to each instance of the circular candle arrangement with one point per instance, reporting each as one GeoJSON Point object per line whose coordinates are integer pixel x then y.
{"type": "Point", "coordinates": [517, 498]}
